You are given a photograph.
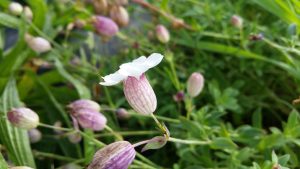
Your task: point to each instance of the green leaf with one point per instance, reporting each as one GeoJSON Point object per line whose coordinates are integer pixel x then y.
{"type": "Point", "coordinates": [155, 143]}
{"type": "Point", "coordinates": [39, 10]}
{"type": "Point", "coordinates": [14, 139]}
{"type": "Point", "coordinates": [9, 20]}
{"type": "Point", "coordinates": [82, 90]}
{"type": "Point", "coordinates": [3, 164]}
{"type": "Point", "coordinates": [282, 160]}
{"type": "Point", "coordinates": [223, 143]}
{"type": "Point", "coordinates": [257, 119]}
{"type": "Point", "coordinates": [274, 157]}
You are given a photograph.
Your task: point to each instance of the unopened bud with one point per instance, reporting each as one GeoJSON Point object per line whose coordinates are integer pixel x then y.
{"type": "Point", "coordinates": [84, 104]}
{"type": "Point", "coordinates": [100, 6]}
{"type": "Point", "coordinates": [28, 13]}
{"type": "Point", "coordinates": [75, 137]}
{"type": "Point", "coordinates": [256, 37]}
{"type": "Point", "coordinates": [140, 94]}
{"type": "Point", "coordinates": [122, 113]}
{"type": "Point", "coordinates": [120, 15]}
{"type": "Point", "coordinates": [117, 155]}
{"type": "Point", "coordinates": [23, 118]}
{"type": "Point", "coordinates": [105, 26]}
{"type": "Point", "coordinates": [195, 84]}
{"type": "Point", "coordinates": [20, 167]}
{"type": "Point", "coordinates": [38, 44]}
{"type": "Point", "coordinates": [34, 135]}
{"type": "Point", "coordinates": [57, 124]}
{"type": "Point", "coordinates": [88, 118]}
{"type": "Point", "coordinates": [179, 96]}
{"type": "Point", "coordinates": [79, 23]}
{"type": "Point", "coordinates": [15, 8]}
{"type": "Point", "coordinates": [162, 34]}
{"type": "Point", "coordinates": [237, 21]}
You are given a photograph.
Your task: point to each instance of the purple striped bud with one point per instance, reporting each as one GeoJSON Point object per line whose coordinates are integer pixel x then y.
{"type": "Point", "coordinates": [34, 135]}
{"type": "Point", "coordinates": [118, 155]}
{"type": "Point", "coordinates": [120, 15]}
{"type": "Point", "coordinates": [162, 34]}
{"type": "Point", "coordinates": [23, 118]}
{"type": "Point", "coordinates": [105, 26]}
{"type": "Point", "coordinates": [88, 118]}
{"type": "Point", "coordinates": [140, 94]}
{"type": "Point", "coordinates": [84, 104]}
{"type": "Point", "coordinates": [237, 21]}
{"type": "Point", "coordinates": [195, 84]}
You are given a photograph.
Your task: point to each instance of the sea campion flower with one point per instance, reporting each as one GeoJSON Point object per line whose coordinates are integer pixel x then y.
{"type": "Point", "coordinates": [105, 26]}
{"type": "Point", "coordinates": [38, 44]}
{"type": "Point", "coordinates": [23, 118]}
{"type": "Point", "coordinates": [34, 135]}
{"type": "Point", "coordinates": [195, 84]}
{"type": "Point", "coordinates": [118, 155]}
{"type": "Point", "coordinates": [15, 8]}
{"type": "Point", "coordinates": [162, 34]}
{"type": "Point", "coordinates": [137, 88]}
{"type": "Point", "coordinates": [237, 21]}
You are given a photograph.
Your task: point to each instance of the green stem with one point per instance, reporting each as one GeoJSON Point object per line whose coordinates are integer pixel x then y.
{"type": "Point", "coordinates": [167, 119]}
{"type": "Point", "coordinates": [128, 133]}
{"type": "Point", "coordinates": [118, 136]}
{"type": "Point", "coordinates": [55, 156]}
{"type": "Point", "coordinates": [194, 142]}
{"type": "Point", "coordinates": [188, 106]}
{"type": "Point", "coordinates": [54, 127]}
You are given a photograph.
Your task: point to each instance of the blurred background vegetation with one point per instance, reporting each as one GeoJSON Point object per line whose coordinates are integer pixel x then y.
{"type": "Point", "coordinates": [246, 107]}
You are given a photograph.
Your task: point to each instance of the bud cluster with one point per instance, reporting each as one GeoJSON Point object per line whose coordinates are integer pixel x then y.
{"type": "Point", "coordinates": [17, 9]}
{"type": "Point", "coordinates": [87, 114]}
{"type": "Point", "coordinates": [110, 16]}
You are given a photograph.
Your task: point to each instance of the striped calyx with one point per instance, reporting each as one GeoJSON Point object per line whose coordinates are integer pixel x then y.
{"type": "Point", "coordinates": [140, 94]}
{"type": "Point", "coordinates": [117, 155]}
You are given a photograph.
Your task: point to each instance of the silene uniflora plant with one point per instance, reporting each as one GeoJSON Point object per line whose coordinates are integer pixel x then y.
{"type": "Point", "coordinates": [220, 91]}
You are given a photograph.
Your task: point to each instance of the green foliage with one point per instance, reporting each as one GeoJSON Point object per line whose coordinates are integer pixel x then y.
{"type": "Point", "coordinates": [244, 117]}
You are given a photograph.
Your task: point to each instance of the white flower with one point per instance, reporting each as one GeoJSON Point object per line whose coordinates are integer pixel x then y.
{"type": "Point", "coordinates": [132, 69]}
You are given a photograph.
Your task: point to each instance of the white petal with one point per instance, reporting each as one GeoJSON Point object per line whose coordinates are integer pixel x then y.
{"type": "Point", "coordinates": [112, 79]}
{"type": "Point", "coordinates": [132, 69]}
{"type": "Point", "coordinates": [140, 60]}
{"type": "Point", "coordinates": [154, 59]}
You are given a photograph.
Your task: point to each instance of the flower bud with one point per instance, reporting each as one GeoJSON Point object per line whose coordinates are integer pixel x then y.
{"type": "Point", "coordinates": [195, 84]}
{"type": "Point", "coordinates": [105, 26]}
{"type": "Point", "coordinates": [122, 113]}
{"type": "Point", "coordinates": [100, 6]}
{"type": "Point", "coordinates": [256, 37]}
{"type": "Point", "coordinates": [15, 8]}
{"type": "Point", "coordinates": [237, 21]}
{"type": "Point", "coordinates": [179, 96]}
{"type": "Point", "coordinates": [140, 94]}
{"type": "Point", "coordinates": [38, 44]}
{"type": "Point", "coordinates": [20, 167]}
{"type": "Point", "coordinates": [23, 118]}
{"type": "Point", "coordinates": [120, 15]}
{"type": "Point", "coordinates": [118, 155]}
{"type": "Point", "coordinates": [79, 23]}
{"type": "Point", "coordinates": [162, 34]}
{"type": "Point", "coordinates": [84, 104]}
{"type": "Point", "coordinates": [34, 135]}
{"type": "Point", "coordinates": [88, 118]}
{"type": "Point", "coordinates": [75, 137]}
{"type": "Point", "coordinates": [28, 13]}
